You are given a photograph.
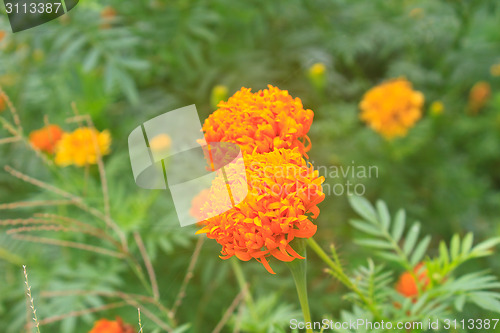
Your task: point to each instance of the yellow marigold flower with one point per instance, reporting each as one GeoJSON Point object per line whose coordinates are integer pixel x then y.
{"type": "Point", "coordinates": [436, 108]}
{"type": "Point", "coordinates": [283, 193]}
{"type": "Point", "coordinates": [160, 143]}
{"type": "Point", "coordinates": [416, 13]}
{"type": "Point", "coordinates": [479, 96]}
{"type": "Point", "coordinates": [219, 93]}
{"type": "Point", "coordinates": [261, 122]}
{"type": "Point", "coordinates": [317, 75]}
{"type": "Point", "coordinates": [79, 147]}
{"type": "Point", "coordinates": [495, 70]}
{"type": "Point", "coordinates": [392, 107]}
{"type": "Point", "coordinates": [111, 326]}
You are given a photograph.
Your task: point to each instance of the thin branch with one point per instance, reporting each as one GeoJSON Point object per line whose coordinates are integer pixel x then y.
{"type": "Point", "coordinates": [12, 109]}
{"type": "Point", "coordinates": [23, 204]}
{"type": "Point", "coordinates": [74, 199]}
{"type": "Point", "coordinates": [188, 277]}
{"type": "Point", "coordinates": [148, 264]}
{"type": "Point", "coordinates": [10, 140]}
{"type": "Point", "coordinates": [118, 294]}
{"type": "Point", "coordinates": [237, 300]}
{"type": "Point", "coordinates": [79, 313]}
{"type": "Point", "coordinates": [32, 305]}
{"type": "Point", "coordinates": [140, 323]}
{"type": "Point", "coordinates": [151, 316]}
{"type": "Point", "coordinates": [75, 245]}
{"type": "Point", "coordinates": [14, 222]}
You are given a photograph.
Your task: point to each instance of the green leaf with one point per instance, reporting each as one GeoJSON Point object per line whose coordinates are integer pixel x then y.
{"type": "Point", "coordinates": [391, 257]}
{"type": "Point", "coordinates": [91, 60]}
{"type": "Point", "coordinates": [485, 301]}
{"type": "Point", "coordinates": [399, 225]}
{"type": "Point", "coordinates": [467, 243]}
{"type": "Point", "coordinates": [376, 243]}
{"type": "Point", "coordinates": [460, 302]}
{"type": "Point", "coordinates": [419, 252]}
{"type": "Point", "coordinates": [455, 246]}
{"type": "Point", "coordinates": [443, 253]}
{"type": "Point", "coordinates": [383, 214]}
{"type": "Point", "coordinates": [486, 245]}
{"type": "Point", "coordinates": [365, 227]}
{"type": "Point", "coordinates": [363, 208]}
{"type": "Point", "coordinates": [411, 238]}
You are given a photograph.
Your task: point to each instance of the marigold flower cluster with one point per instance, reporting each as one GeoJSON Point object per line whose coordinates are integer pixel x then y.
{"type": "Point", "coordinates": [261, 122]}
{"type": "Point", "coordinates": [283, 197]}
{"type": "Point", "coordinates": [392, 108]}
{"type": "Point", "coordinates": [111, 326]}
{"type": "Point", "coordinates": [80, 147]}
{"type": "Point", "coordinates": [280, 199]}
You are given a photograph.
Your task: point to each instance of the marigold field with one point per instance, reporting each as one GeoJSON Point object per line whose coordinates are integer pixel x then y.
{"type": "Point", "coordinates": [366, 186]}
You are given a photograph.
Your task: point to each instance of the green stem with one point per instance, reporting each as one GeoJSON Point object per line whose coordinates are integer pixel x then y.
{"type": "Point", "coordinates": [242, 283]}
{"type": "Point", "coordinates": [298, 267]}
{"type": "Point", "coordinates": [342, 276]}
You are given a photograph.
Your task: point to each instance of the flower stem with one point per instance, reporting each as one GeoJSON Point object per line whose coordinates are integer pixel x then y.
{"type": "Point", "coordinates": [298, 267]}
{"type": "Point", "coordinates": [341, 275]}
{"type": "Point", "coordinates": [242, 283]}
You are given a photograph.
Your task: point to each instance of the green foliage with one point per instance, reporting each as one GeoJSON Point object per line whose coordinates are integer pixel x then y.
{"type": "Point", "coordinates": [439, 288]}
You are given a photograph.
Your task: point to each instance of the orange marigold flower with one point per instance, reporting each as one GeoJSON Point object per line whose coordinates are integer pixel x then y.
{"type": "Point", "coordinates": [2, 104]}
{"type": "Point", "coordinates": [261, 122]}
{"type": "Point", "coordinates": [479, 96]}
{"type": "Point", "coordinates": [392, 107]}
{"type": "Point", "coordinates": [79, 147]}
{"type": "Point", "coordinates": [46, 139]}
{"type": "Point", "coordinates": [197, 204]}
{"type": "Point", "coordinates": [108, 12]}
{"type": "Point", "coordinates": [283, 193]}
{"type": "Point", "coordinates": [111, 326]}
{"type": "Point", "coordinates": [407, 286]}
{"type": "Point", "coordinates": [2, 34]}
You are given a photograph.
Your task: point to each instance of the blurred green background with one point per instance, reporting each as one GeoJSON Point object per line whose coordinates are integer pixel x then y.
{"type": "Point", "coordinates": [124, 62]}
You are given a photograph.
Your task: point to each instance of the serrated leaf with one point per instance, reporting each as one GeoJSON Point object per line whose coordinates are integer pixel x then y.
{"type": "Point", "coordinates": [411, 238]}
{"type": "Point", "coordinates": [399, 225]}
{"type": "Point", "coordinates": [420, 250]}
{"type": "Point", "coordinates": [366, 227]}
{"type": "Point", "coordinates": [383, 214]}
{"type": "Point", "coordinates": [363, 208]}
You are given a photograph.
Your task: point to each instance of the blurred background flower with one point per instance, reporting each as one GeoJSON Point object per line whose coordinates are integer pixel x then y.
{"type": "Point", "coordinates": [82, 147]}
{"type": "Point", "coordinates": [392, 108]}
{"type": "Point", "coordinates": [46, 138]}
